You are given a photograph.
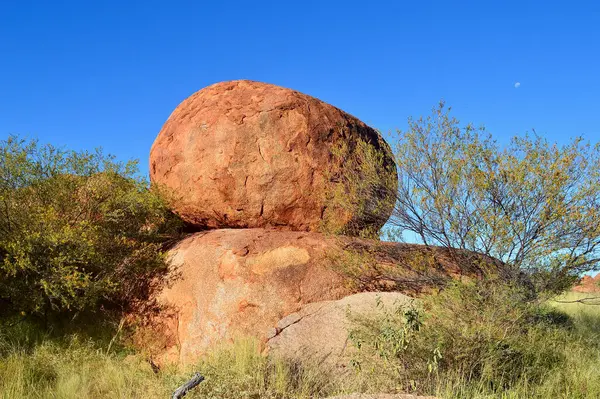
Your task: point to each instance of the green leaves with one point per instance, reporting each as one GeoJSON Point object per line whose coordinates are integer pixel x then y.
{"type": "Point", "coordinates": [483, 332]}
{"type": "Point", "coordinates": [532, 204]}
{"type": "Point", "coordinates": [78, 230]}
{"type": "Point", "coordinates": [362, 185]}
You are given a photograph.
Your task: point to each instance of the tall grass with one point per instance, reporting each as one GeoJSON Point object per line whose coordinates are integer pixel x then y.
{"type": "Point", "coordinates": [563, 362]}
{"type": "Point", "coordinates": [482, 341]}
{"type": "Point", "coordinates": [35, 364]}
{"type": "Point", "coordinates": [577, 376]}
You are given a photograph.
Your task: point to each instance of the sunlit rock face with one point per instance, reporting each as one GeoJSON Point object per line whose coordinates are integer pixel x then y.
{"type": "Point", "coordinates": [245, 154]}
{"type": "Point", "coordinates": [237, 283]}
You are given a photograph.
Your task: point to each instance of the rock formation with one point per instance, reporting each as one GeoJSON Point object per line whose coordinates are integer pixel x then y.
{"type": "Point", "coordinates": [255, 163]}
{"type": "Point", "coordinates": [588, 284]}
{"type": "Point", "coordinates": [249, 154]}
{"type": "Point", "coordinates": [242, 282]}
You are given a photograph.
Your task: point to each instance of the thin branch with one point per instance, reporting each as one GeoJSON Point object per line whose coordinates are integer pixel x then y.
{"type": "Point", "coordinates": [185, 388]}
{"type": "Point", "coordinates": [585, 301]}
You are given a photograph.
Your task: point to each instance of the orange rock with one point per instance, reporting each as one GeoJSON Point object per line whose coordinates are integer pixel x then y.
{"type": "Point", "coordinates": [588, 284]}
{"type": "Point", "coordinates": [249, 154]}
{"type": "Point", "coordinates": [241, 282]}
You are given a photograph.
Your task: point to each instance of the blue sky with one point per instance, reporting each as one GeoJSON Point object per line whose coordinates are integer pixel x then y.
{"type": "Point", "coordinates": [108, 73]}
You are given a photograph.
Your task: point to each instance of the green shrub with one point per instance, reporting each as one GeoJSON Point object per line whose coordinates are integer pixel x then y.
{"type": "Point", "coordinates": [531, 204]}
{"type": "Point", "coordinates": [78, 230]}
{"type": "Point", "coordinates": [67, 363]}
{"type": "Point", "coordinates": [482, 332]}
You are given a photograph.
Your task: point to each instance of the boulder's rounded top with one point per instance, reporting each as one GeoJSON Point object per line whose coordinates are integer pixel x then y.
{"type": "Point", "coordinates": [249, 154]}
{"type": "Point", "coordinates": [253, 87]}
{"type": "Point", "coordinates": [237, 100]}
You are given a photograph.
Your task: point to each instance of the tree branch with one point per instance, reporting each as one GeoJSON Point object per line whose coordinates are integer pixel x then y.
{"type": "Point", "coordinates": [188, 386]}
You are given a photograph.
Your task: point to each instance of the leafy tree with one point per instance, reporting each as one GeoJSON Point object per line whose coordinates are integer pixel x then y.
{"type": "Point", "coordinates": [78, 230]}
{"type": "Point", "coordinates": [533, 204]}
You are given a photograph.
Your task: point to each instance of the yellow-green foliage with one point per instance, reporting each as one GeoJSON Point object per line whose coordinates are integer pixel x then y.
{"type": "Point", "coordinates": [36, 365]}
{"type": "Point", "coordinates": [482, 341]}
{"type": "Point", "coordinates": [77, 230]}
{"type": "Point", "coordinates": [241, 371]}
{"type": "Point", "coordinates": [77, 371]}
{"type": "Point", "coordinates": [365, 186]}
{"type": "Point", "coordinates": [578, 374]}
{"type": "Point", "coordinates": [379, 267]}
{"type": "Point", "coordinates": [532, 204]}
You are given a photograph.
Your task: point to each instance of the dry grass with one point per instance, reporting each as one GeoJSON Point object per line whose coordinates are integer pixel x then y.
{"type": "Point", "coordinates": [35, 365]}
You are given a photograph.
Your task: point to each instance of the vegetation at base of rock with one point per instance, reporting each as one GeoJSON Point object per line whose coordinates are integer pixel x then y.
{"type": "Point", "coordinates": [78, 231]}
{"type": "Point", "coordinates": [532, 205]}
{"type": "Point", "coordinates": [486, 332]}
{"type": "Point", "coordinates": [81, 232]}
{"type": "Point", "coordinates": [35, 363]}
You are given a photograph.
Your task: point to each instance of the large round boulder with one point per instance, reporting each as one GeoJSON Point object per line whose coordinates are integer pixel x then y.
{"type": "Point", "coordinates": [246, 154]}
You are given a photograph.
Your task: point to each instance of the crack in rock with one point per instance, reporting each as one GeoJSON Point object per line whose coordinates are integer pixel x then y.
{"type": "Point", "coordinates": [296, 318]}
